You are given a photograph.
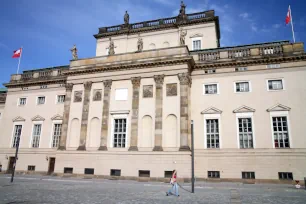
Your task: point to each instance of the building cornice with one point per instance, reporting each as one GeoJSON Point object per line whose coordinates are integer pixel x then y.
{"type": "Point", "coordinates": [21, 83]}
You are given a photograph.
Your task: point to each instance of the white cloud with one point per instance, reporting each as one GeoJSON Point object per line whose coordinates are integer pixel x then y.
{"type": "Point", "coordinates": [278, 25]}
{"type": "Point", "coordinates": [254, 28]}
{"type": "Point", "coordinates": [244, 15]}
{"type": "Point", "coordinates": [165, 2]}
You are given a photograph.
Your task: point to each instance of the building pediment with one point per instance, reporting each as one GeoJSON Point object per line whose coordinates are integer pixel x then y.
{"type": "Point", "coordinates": [18, 119]}
{"type": "Point", "coordinates": [211, 110]}
{"type": "Point", "coordinates": [279, 107]}
{"type": "Point", "coordinates": [57, 117]}
{"type": "Point", "coordinates": [244, 109]}
{"type": "Point", "coordinates": [38, 118]}
{"type": "Point", "coordinates": [196, 35]}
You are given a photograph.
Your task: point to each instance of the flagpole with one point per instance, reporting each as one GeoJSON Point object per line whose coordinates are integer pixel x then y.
{"type": "Point", "coordinates": [19, 59]}
{"type": "Point", "coordinates": [292, 25]}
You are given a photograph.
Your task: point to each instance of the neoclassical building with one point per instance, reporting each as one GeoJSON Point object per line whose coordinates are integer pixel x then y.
{"type": "Point", "coordinates": [127, 111]}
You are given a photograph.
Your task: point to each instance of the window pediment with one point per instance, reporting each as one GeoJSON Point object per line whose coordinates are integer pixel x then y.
{"type": "Point", "coordinates": [243, 109]}
{"type": "Point", "coordinates": [196, 35]}
{"type": "Point", "coordinates": [211, 110]}
{"type": "Point", "coordinates": [57, 117]}
{"type": "Point", "coordinates": [18, 119]}
{"type": "Point", "coordinates": [38, 118]}
{"type": "Point", "coordinates": [278, 107]}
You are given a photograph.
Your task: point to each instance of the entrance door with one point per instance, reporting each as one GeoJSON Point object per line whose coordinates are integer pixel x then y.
{"type": "Point", "coordinates": [51, 165]}
{"type": "Point", "coordinates": [11, 165]}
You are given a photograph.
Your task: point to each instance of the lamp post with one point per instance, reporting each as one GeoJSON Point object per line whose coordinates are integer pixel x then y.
{"type": "Point", "coordinates": [15, 159]}
{"type": "Point", "coordinates": [192, 158]}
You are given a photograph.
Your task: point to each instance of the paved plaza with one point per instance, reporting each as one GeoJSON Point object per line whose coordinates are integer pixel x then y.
{"type": "Point", "coordinates": [44, 189]}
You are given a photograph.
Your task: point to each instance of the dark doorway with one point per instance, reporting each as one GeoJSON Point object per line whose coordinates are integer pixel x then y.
{"type": "Point", "coordinates": [51, 165]}
{"type": "Point", "coordinates": [11, 165]}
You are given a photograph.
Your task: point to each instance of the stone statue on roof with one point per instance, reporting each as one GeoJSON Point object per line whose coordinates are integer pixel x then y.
{"type": "Point", "coordinates": [139, 44]}
{"type": "Point", "coordinates": [183, 34]}
{"type": "Point", "coordinates": [74, 52]}
{"type": "Point", "coordinates": [183, 9]}
{"type": "Point", "coordinates": [126, 18]}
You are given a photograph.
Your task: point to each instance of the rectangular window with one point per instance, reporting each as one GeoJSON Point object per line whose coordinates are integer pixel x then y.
{"type": "Point", "coordinates": [248, 175]}
{"type": "Point", "coordinates": [57, 131]}
{"type": "Point", "coordinates": [239, 54]}
{"type": "Point", "coordinates": [268, 51]}
{"type": "Point", "coordinates": [245, 132]}
{"type": "Point", "coordinates": [36, 135]}
{"type": "Point", "coordinates": [68, 170]}
{"type": "Point", "coordinates": [275, 84]}
{"type": "Point", "coordinates": [41, 100]}
{"type": "Point", "coordinates": [213, 174]}
{"type": "Point", "coordinates": [280, 132]}
{"type": "Point", "coordinates": [212, 133]}
{"type": "Point", "coordinates": [242, 87]}
{"type": "Point", "coordinates": [240, 69]}
{"type": "Point", "coordinates": [121, 94]}
{"type": "Point", "coordinates": [31, 168]}
{"type": "Point", "coordinates": [22, 101]}
{"type": "Point", "coordinates": [17, 133]}
{"type": "Point", "coordinates": [273, 66]}
{"type": "Point", "coordinates": [211, 89]}
{"type": "Point", "coordinates": [168, 174]}
{"type": "Point", "coordinates": [60, 98]}
{"type": "Point", "coordinates": [196, 44]}
{"type": "Point", "coordinates": [115, 172]}
{"type": "Point", "coordinates": [285, 175]}
{"type": "Point", "coordinates": [210, 71]}
{"type": "Point", "coordinates": [120, 132]}
{"type": "Point", "coordinates": [144, 173]}
{"type": "Point", "coordinates": [89, 171]}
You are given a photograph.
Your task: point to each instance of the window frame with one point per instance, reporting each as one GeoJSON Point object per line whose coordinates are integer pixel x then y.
{"type": "Point", "coordinates": [13, 135]}
{"type": "Point", "coordinates": [275, 79]}
{"type": "Point", "coordinates": [213, 172]}
{"type": "Point", "coordinates": [281, 114]}
{"type": "Point", "coordinates": [207, 84]}
{"type": "Point", "coordinates": [250, 172]}
{"type": "Point", "coordinates": [119, 116]}
{"type": "Point", "coordinates": [244, 81]}
{"type": "Point", "coordinates": [127, 94]}
{"type": "Point", "coordinates": [32, 131]}
{"type": "Point", "coordinates": [41, 103]}
{"type": "Point", "coordinates": [18, 101]}
{"type": "Point", "coordinates": [279, 173]}
{"type": "Point", "coordinates": [55, 122]}
{"type": "Point", "coordinates": [57, 96]}
{"type": "Point", "coordinates": [212, 117]}
{"type": "Point", "coordinates": [196, 39]}
{"type": "Point", "coordinates": [246, 115]}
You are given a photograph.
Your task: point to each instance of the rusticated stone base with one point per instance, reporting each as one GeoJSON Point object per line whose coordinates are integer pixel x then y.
{"type": "Point", "coordinates": [81, 148]}
{"type": "Point", "coordinates": [133, 148]}
{"type": "Point", "coordinates": [184, 148]}
{"type": "Point", "coordinates": [102, 148]}
{"type": "Point", "coordinates": [61, 148]}
{"type": "Point", "coordinates": [158, 148]}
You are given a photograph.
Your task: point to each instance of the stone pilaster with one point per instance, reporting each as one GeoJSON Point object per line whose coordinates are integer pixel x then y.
{"type": "Point", "coordinates": [85, 110]}
{"type": "Point", "coordinates": [135, 110]}
{"type": "Point", "coordinates": [105, 115]}
{"type": "Point", "coordinates": [159, 80]}
{"type": "Point", "coordinates": [62, 145]}
{"type": "Point", "coordinates": [185, 83]}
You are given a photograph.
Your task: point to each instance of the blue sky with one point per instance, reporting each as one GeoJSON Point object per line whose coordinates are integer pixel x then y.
{"type": "Point", "coordinates": [48, 29]}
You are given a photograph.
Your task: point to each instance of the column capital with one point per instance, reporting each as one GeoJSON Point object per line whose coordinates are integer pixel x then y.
{"type": "Point", "coordinates": [159, 80]}
{"type": "Point", "coordinates": [136, 81]}
{"type": "Point", "coordinates": [69, 86]}
{"type": "Point", "coordinates": [184, 78]}
{"type": "Point", "coordinates": [107, 84]}
{"type": "Point", "coordinates": [87, 85]}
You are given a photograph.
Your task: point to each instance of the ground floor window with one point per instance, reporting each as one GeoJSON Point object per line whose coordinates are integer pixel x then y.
{"type": "Point", "coordinates": [280, 132]}
{"type": "Point", "coordinates": [212, 133]}
{"type": "Point", "coordinates": [17, 133]}
{"type": "Point", "coordinates": [36, 135]}
{"type": "Point", "coordinates": [144, 173]}
{"type": "Point", "coordinates": [248, 175]}
{"type": "Point", "coordinates": [213, 174]}
{"type": "Point", "coordinates": [120, 132]}
{"type": "Point", "coordinates": [57, 131]}
{"type": "Point", "coordinates": [285, 175]}
{"type": "Point", "coordinates": [245, 132]}
{"type": "Point", "coordinates": [89, 171]}
{"type": "Point", "coordinates": [115, 172]}
{"type": "Point", "coordinates": [68, 170]}
{"type": "Point", "coordinates": [31, 168]}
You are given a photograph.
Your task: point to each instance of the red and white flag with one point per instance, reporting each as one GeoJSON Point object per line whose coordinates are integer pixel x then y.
{"type": "Point", "coordinates": [17, 53]}
{"type": "Point", "coordinates": [288, 17]}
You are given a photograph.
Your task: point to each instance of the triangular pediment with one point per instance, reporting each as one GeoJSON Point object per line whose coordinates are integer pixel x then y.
{"type": "Point", "coordinates": [279, 107]}
{"type": "Point", "coordinates": [38, 118]}
{"type": "Point", "coordinates": [196, 35]}
{"type": "Point", "coordinates": [211, 110]}
{"type": "Point", "coordinates": [57, 117]}
{"type": "Point", "coordinates": [18, 119]}
{"type": "Point", "coordinates": [244, 109]}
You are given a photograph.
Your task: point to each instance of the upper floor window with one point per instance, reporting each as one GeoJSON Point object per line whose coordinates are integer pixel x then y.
{"type": "Point", "coordinates": [212, 133]}
{"type": "Point", "coordinates": [57, 131]}
{"type": "Point", "coordinates": [196, 44]}
{"type": "Point", "coordinates": [273, 66]}
{"type": "Point", "coordinates": [242, 86]}
{"type": "Point", "coordinates": [280, 132]}
{"type": "Point", "coordinates": [17, 134]}
{"type": "Point", "coordinates": [22, 101]}
{"type": "Point", "coordinates": [120, 132]}
{"type": "Point", "coordinates": [240, 69]}
{"type": "Point", "coordinates": [121, 94]}
{"type": "Point", "coordinates": [245, 132]}
{"type": "Point", "coordinates": [41, 100]}
{"type": "Point", "coordinates": [60, 98]}
{"type": "Point", "coordinates": [211, 89]}
{"type": "Point", "coordinates": [268, 51]}
{"type": "Point", "coordinates": [275, 84]}
{"type": "Point", "coordinates": [36, 135]}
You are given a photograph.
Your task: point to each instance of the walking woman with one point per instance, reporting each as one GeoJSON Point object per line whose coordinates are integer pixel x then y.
{"type": "Point", "coordinates": [174, 188]}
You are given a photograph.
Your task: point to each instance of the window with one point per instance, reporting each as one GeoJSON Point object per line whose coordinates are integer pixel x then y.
{"type": "Point", "coordinates": [238, 54]}
{"type": "Point", "coordinates": [168, 174]}
{"type": "Point", "coordinates": [196, 44]}
{"type": "Point", "coordinates": [275, 84]}
{"type": "Point", "coordinates": [89, 171]}
{"type": "Point", "coordinates": [120, 132]}
{"type": "Point", "coordinates": [210, 71]}
{"type": "Point", "coordinates": [211, 89]}
{"type": "Point", "coordinates": [273, 66]}
{"type": "Point", "coordinates": [17, 134]}
{"type": "Point", "coordinates": [280, 132]}
{"type": "Point", "coordinates": [213, 174]}
{"type": "Point", "coordinates": [57, 130]}
{"type": "Point", "coordinates": [43, 86]}
{"type": "Point", "coordinates": [31, 168]}
{"type": "Point", "coordinates": [242, 87]}
{"type": "Point", "coordinates": [240, 69]}
{"type": "Point", "coordinates": [144, 173]}
{"type": "Point", "coordinates": [121, 94]}
{"type": "Point", "coordinates": [36, 135]}
{"type": "Point", "coordinates": [68, 170]}
{"type": "Point", "coordinates": [285, 175]}
{"type": "Point", "coordinates": [245, 132]}
{"type": "Point", "coordinates": [41, 100]}
{"type": "Point", "coordinates": [22, 101]}
{"type": "Point", "coordinates": [115, 172]}
{"type": "Point", "coordinates": [268, 51]}
{"type": "Point", "coordinates": [60, 98]}
{"type": "Point", "coordinates": [212, 133]}
{"type": "Point", "coordinates": [248, 175]}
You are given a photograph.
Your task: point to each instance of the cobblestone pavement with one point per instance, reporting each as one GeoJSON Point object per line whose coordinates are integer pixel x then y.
{"type": "Point", "coordinates": [44, 189]}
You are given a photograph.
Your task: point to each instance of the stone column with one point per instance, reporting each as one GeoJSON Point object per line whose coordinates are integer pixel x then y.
{"type": "Point", "coordinates": [185, 83]}
{"type": "Point", "coordinates": [105, 115]}
{"type": "Point", "coordinates": [85, 110]}
{"type": "Point", "coordinates": [135, 109]}
{"type": "Point", "coordinates": [159, 80]}
{"type": "Point", "coordinates": [64, 131]}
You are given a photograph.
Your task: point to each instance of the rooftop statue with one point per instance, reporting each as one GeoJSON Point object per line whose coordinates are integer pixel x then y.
{"type": "Point", "coordinates": [74, 52]}
{"type": "Point", "coordinates": [126, 18]}
{"type": "Point", "coordinates": [183, 9]}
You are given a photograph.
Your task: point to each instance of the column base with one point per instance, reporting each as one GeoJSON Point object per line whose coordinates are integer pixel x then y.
{"type": "Point", "coordinates": [81, 148]}
{"type": "Point", "coordinates": [61, 148]}
{"type": "Point", "coordinates": [102, 148]}
{"type": "Point", "coordinates": [133, 148]}
{"type": "Point", "coordinates": [184, 148]}
{"type": "Point", "coordinates": [158, 148]}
